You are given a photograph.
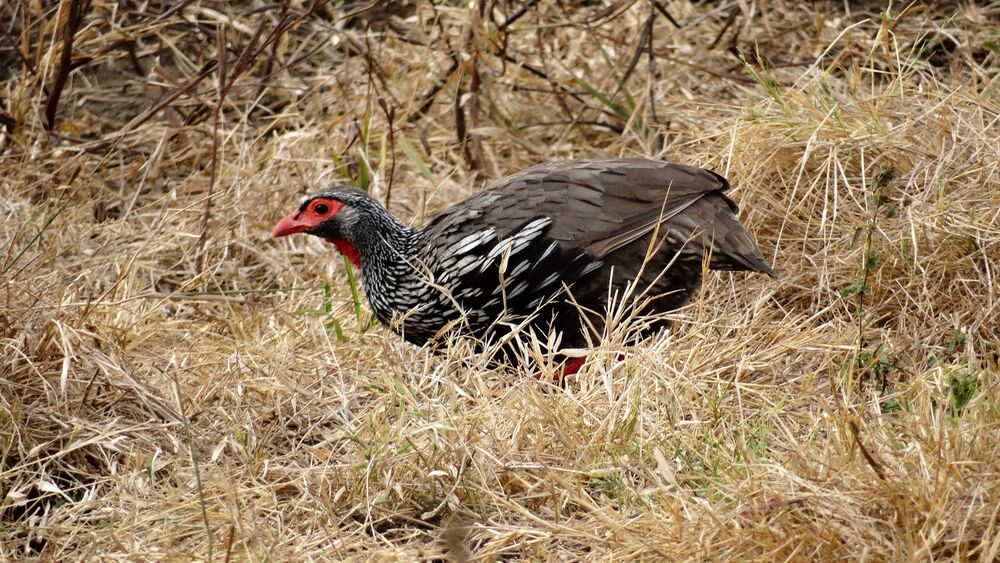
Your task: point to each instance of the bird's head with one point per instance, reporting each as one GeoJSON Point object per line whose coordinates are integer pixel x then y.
{"type": "Point", "coordinates": [328, 214]}
{"type": "Point", "coordinates": [334, 215]}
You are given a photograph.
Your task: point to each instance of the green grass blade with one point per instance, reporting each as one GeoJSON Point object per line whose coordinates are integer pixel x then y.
{"type": "Point", "coordinates": [414, 156]}
{"type": "Point", "coordinates": [617, 108]}
{"type": "Point", "coordinates": [338, 329]}
{"type": "Point", "coordinates": [355, 297]}
{"type": "Point", "coordinates": [31, 242]}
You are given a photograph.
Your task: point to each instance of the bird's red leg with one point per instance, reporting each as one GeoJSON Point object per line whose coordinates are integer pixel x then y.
{"type": "Point", "coordinates": [569, 368]}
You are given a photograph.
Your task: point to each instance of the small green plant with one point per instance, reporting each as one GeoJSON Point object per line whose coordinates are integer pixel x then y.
{"type": "Point", "coordinates": [961, 390]}
{"type": "Point", "coordinates": [871, 364]}
{"type": "Point", "coordinates": [954, 340]}
{"type": "Point", "coordinates": [874, 365]}
{"type": "Point", "coordinates": [609, 484]}
{"type": "Point", "coordinates": [871, 257]}
{"type": "Point", "coordinates": [757, 438]}
{"type": "Point", "coordinates": [763, 80]}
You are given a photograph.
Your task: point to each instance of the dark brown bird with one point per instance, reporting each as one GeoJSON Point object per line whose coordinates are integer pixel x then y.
{"type": "Point", "coordinates": [547, 249]}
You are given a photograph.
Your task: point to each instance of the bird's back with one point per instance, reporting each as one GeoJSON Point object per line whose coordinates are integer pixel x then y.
{"type": "Point", "coordinates": [600, 206]}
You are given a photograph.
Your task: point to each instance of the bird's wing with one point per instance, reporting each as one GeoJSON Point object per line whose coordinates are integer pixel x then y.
{"type": "Point", "coordinates": [600, 206]}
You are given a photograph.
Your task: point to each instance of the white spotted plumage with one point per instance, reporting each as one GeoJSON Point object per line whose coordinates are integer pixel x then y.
{"type": "Point", "coordinates": [469, 242]}
{"type": "Point", "coordinates": [519, 241]}
{"type": "Point", "coordinates": [520, 269]}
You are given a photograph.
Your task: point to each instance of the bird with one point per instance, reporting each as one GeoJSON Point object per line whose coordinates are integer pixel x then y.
{"type": "Point", "coordinates": [548, 251]}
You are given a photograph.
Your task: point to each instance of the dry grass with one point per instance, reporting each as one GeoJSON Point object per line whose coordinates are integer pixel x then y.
{"type": "Point", "coordinates": [167, 370]}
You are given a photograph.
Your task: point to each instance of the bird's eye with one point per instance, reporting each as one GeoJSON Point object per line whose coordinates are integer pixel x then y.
{"type": "Point", "coordinates": [321, 209]}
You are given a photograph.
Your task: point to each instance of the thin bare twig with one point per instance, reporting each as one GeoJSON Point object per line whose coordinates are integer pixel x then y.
{"type": "Point", "coordinates": [646, 37]}
{"type": "Point", "coordinates": [427, 98]}
{"type": "Point", "coordinates": [214, 166]}
{"type": "Point", "coordinates": [390, 118]}
{"type": "Point", "coordinates": [471, 143]}
{"type": "Point", "coordinates": [660, 8]}
{"type": "Point", "coordinates": [875, 465]}
{"type": "Point", "coordinates": [71, 23]}
{"type": "Point", "coordinates": [724, 29]}
{"type": "Point", "coordinates": [517, 14]}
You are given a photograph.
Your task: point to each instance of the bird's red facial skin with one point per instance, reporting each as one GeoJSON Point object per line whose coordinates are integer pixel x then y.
{"type": "Point", "coordinates": [305, 220]}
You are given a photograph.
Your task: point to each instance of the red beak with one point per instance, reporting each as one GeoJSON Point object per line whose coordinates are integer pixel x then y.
{"type": "Point", "coordinates": [289, 226]}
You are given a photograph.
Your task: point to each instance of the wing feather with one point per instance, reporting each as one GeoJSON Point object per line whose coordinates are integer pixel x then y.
{"type": "Point", "coordinates": [601, 206]}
